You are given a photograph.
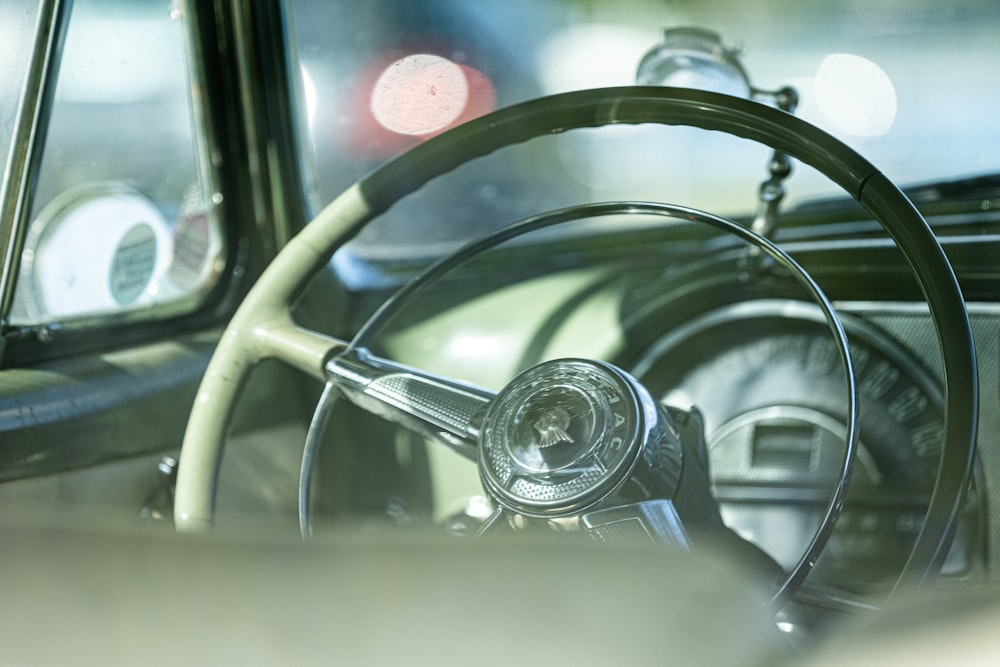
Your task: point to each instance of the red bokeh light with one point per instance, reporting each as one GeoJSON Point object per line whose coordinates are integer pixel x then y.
{"type": "Point", "coordinates": [403, 101]}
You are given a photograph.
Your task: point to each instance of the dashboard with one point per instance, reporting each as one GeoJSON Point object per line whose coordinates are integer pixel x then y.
{"type": "Point", "coordinates": [756, 361]}
{"type": "Point", "coordinates": [767, 380]}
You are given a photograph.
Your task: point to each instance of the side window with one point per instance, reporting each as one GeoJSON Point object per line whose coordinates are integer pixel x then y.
{"type": "Point", "coordinates": [122, 222]}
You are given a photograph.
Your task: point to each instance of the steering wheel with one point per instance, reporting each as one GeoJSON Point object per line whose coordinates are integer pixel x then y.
{"type": "Point", "coordinates": [529, 435]}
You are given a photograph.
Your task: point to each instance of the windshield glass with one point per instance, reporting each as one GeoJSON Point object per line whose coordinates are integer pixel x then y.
{"type": "Point", "coordinates": [909, 85]}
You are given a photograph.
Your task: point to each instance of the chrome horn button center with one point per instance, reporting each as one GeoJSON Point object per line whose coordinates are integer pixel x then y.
{"type": "Point", "coordinates": [561, 437]}
{"type": "Point", "coordinates": [554, 427]}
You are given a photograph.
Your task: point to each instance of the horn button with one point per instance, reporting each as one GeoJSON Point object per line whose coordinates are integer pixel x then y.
{"type": "Point", "coordinates": [567, 434]}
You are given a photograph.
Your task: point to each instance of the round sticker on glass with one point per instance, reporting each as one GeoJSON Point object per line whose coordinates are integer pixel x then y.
{"type": "Point", "coordinates": [133, 264]}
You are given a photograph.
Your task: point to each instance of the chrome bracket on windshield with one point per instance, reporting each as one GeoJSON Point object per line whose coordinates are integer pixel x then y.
{"type": "Point", "coordinates": [697, 58]}
{"type": "Point", "coordinates": [771, 191]}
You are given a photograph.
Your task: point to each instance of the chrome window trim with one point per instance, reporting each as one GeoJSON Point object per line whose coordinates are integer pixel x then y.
{"type": "Point", "coordinates": [28, 142]}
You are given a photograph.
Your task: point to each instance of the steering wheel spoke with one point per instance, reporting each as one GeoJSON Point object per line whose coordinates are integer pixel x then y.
{"type": "Point", "coordinates": [656, 519]}
{"type": "Point", "coordinates": [303, 349]}
{"type": "Point", "coordinates": [445, 410]}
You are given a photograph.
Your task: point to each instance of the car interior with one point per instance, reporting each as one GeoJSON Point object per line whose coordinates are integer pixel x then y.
{"type": "Point", "coordinates": [536, 331]}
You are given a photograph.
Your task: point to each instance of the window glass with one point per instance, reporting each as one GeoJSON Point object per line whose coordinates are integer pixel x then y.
{"type": "Point", "coordinates": [910, 85]}
{"type": "Point", "coordinates": [120, 222]}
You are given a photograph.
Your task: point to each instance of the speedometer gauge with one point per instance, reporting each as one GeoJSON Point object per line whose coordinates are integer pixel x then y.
{"type": "Point", "coordinates": [768, 381]}
{"type": "Point", "coordinates": [96, 250]}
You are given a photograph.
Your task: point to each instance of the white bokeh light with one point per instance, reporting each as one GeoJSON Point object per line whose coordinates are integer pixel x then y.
{"type": "Point", "coordinates": [855, 95]}
{"type": "Point", "coordinates": [592, 56]}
